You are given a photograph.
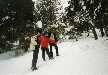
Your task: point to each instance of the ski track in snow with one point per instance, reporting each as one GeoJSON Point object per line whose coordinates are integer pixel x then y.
{"type": "Point", "coordinates": [84, 57]}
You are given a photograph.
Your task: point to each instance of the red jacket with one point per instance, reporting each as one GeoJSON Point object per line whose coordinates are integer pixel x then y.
{"type": "Point", "coordinates": [44, 41]}
{"type": "Point", "coordinates": [52, 41]}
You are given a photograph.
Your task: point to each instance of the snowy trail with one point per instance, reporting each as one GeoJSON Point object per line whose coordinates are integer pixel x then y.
{"type": "Point", "coordinates": [85, 57]}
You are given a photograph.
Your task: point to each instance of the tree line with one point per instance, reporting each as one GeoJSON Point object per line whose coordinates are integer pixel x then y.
{"type": "Point", "coordinates": [21, 16]}
{"type": "Point", "coordinates": [85, 15]}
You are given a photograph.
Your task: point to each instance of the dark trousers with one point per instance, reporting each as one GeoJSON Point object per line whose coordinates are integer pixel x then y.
{"type": "Point", "coordinates": [56, 48]}
{"type": "Point", "coordinates": [43, 52]}
{"type": "Point", "coordinates": [35, 57]}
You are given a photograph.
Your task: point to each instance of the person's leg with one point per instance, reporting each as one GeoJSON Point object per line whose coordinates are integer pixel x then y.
{"type": "Point", "coordinates": [43, 53]}
{"type": "Point", "coordinates": [34, 60]}
{"type": "Point", "coordinates": [37, 52]}
{"type": "Point", "coordinates": [48, 53]}
{"type": "Point", "coordinates": [56, 47]}
{"type": "Point", "coordinates": [51, 52]}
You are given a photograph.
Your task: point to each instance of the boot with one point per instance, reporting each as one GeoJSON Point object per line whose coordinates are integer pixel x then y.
{"type": "Point", "coordinates": [34, 68]}
{"type": "Point", "coordinates": [57, 54]}
{"type": "Point", "coordinates": [51, 55]}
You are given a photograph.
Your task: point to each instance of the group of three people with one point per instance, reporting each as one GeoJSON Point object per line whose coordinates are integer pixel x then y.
{"type": "Point", "coordinates": [43, 40]}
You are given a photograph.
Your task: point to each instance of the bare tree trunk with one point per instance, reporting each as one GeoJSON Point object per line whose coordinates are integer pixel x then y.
{"type": "Point", "coordinates": [106, 31]}
{"type": "Point", "coordinates": [93, 30]}
{"type": "Point", "coordinates": [102, 32]}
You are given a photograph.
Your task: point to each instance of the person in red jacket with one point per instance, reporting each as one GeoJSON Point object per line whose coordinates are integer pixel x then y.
{"type": "Point", "coordinates": [44, 41]}
{"type": "Point", "coordinates": [53, 42]}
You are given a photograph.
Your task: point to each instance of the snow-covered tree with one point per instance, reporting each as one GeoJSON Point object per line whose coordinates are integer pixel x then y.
{"type": "Point", "coordinates": [84, 14]}
{"type": "Point", "coordinates": [44, 11]}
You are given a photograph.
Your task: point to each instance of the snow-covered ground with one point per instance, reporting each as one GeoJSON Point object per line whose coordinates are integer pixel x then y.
{"type": "Point", "coordinates": [84, 57]}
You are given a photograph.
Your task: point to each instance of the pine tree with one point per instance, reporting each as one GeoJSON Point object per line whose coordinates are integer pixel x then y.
{"type": "Point", "coordinates": [14, 16]}
{"type": "Point", "coordinates": [82, 11]}
{"type": "Point", "coordinates": [105, 16]}
{"type": "Point", "coordinates": [7, 23]}
{"type": "Point", "coordinates": [24, 14]}
{"type": "Point", "coordinates": [44, 11]}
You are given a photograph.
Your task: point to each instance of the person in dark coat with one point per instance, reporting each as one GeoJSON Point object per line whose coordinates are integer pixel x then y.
{"type": "Point", "coordinates": [53, 43]}
{"type": "Point", "coordinates": [35, 47]}
{"type": "Point", "coordinates": [39, 37]}
{"type": "Point", "coordinates": [44, 41]}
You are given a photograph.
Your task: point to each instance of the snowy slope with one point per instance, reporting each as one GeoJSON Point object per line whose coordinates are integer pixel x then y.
{"type": "Point", "coordinates": [85, 57]}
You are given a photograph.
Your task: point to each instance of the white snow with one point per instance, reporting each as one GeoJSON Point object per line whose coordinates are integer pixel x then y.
{"type": "Point", "coordinates": [39, 24]}
{"type": "Point", "coordinates": [84, 57]}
